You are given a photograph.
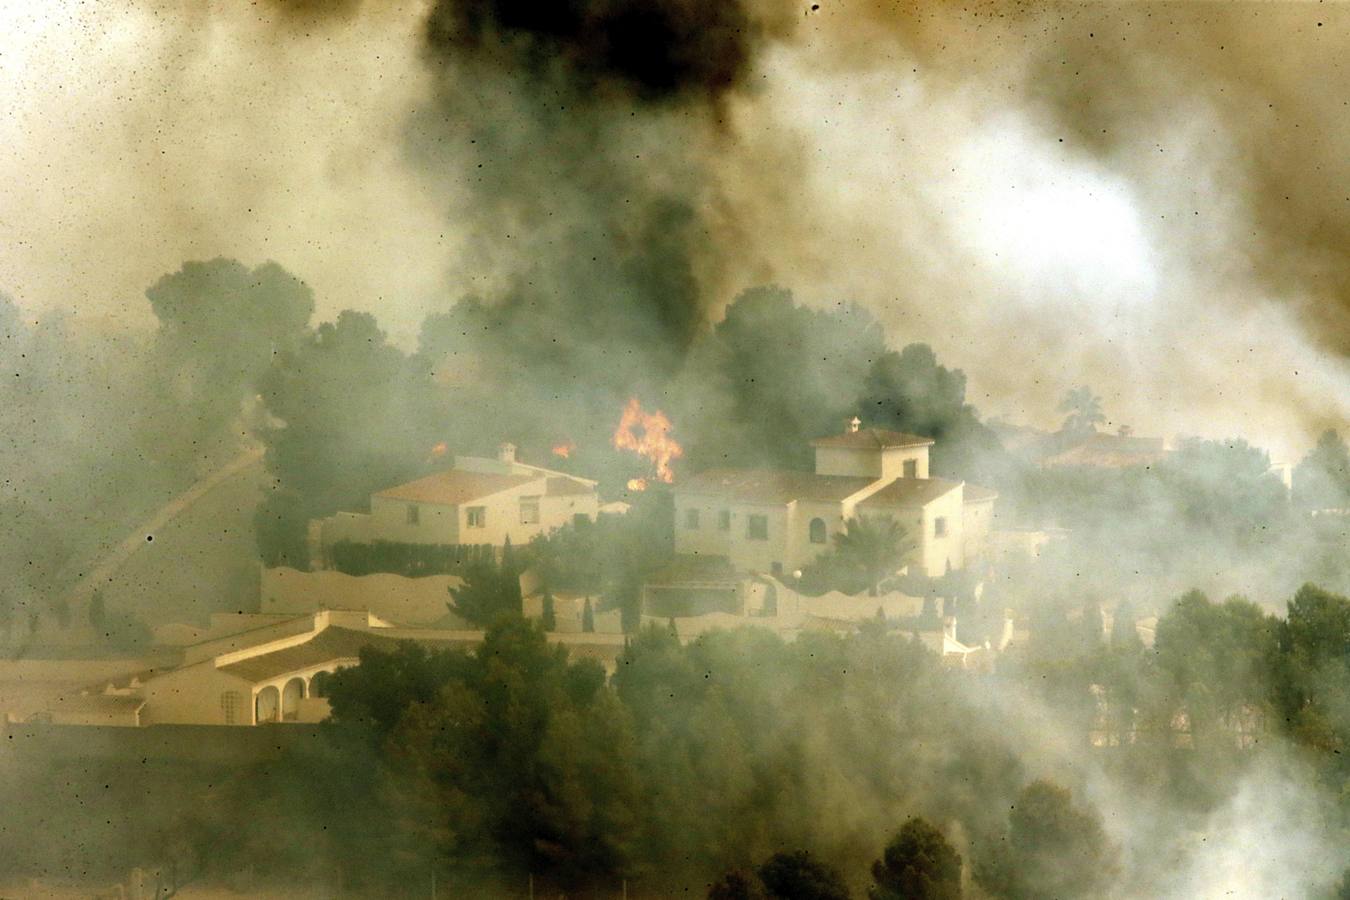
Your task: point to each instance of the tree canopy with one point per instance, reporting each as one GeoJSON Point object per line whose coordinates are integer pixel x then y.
{"type": "Point", "coordinates": [918, 864]}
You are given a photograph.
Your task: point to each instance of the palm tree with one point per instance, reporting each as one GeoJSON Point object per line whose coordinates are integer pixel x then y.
{"type": "Point", "coordinates": [1084, 410]}
{"type": "Point", "coordinates": [875, 547]}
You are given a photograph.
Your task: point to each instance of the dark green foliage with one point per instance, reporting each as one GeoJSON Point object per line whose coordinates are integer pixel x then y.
{"type": "Point", "coordinates": [1215, 658]}
{"type": "Point", "coordinates": [1312, 672]}
{"type": "Point", "coordinates": [221, 324]}
{"type": "Point", "coordinates": [796, 876]}
{"type": "Point", "coordinates": [1053, 848]}
{"type": "Point", "coordinates": [588, 617]}
{"type": "Point", "coordinates": [1084, 412]}
{"type": "Point", "coordinates": [610, 558]}
{"type": "Point", "coordinates": [910, 392]}
{"type": "Point", "coordinates": [491, 589]}
{"type": "Point", "coordinates": [772, 376]}
{"type": "Point", "coordinates": [548, 617]}
{"type": "Point", "coordinates": [351, 418]}
{"type": "Point", "coordinates": [509, 758]}
{"type": "Point", "coordinates": [918, 864]}
{"type": "Point", "coordinates": [865, 553]}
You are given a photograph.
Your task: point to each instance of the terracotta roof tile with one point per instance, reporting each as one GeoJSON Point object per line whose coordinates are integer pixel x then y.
{"type": "Point", "coordinates": [568, 487]}
{"type": "Point", "coordinates": [872, 439]}
{"type": "Point", "coordinates": [905, 492]}
{"type": "Point", "coordinates": [454, 486]}
{"type": "Point", "coordinates": [772, 486]}
{"type": "Point", "coordinates": [330, 645]}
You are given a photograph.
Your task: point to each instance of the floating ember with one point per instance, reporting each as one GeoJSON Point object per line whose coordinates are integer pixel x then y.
{"type": "Point", "coordinates": [564, 450]}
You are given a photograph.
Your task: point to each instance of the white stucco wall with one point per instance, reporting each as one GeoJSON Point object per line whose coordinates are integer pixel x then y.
{"type": "Point", "coordinates": [192, 696]}
{"type": "Point", "coordinates": [940, 553]}
{"type": "Point", "coordinates": [435, 524]}
{"type": "Point", "coordinates": [801, 551]}
{"type": "Point", "coordinates": [733, 543]}
{"type": "Point", "coordinates": [871, 463]}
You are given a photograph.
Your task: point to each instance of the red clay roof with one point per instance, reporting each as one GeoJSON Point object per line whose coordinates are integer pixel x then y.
{"type": "Point", "coordinates": [454, 486]}
{"type": "Point", "coordinates": [330, 645]}
{"type": "Point", "coordinates": [906, 492]}
{"type": "Point", "coordinates": [337, 644]}
{"type": "Point", "coordinates": [562, 486]}
{"type": "Point", "coordinates": [872, 439]}
{"type": "Point", "coordinates": [772, 486]}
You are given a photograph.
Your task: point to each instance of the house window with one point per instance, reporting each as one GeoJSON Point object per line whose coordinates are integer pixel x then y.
{"type": "Point", "coordinates": [477, 516]}
{"type": "Point", "coordinates": [230, 701]}
{"type": "Point", "coordinates": [911, 468]}
{"type": "Point", "coordinates": [691, 519]}
{"type": "Point", "coordinates": [529, 510]}
{"type": "Point", "coordinates": [757, 528]}
{"type": "Point", "coordinates": [940, 526]}
{"type": "Point", "coordinates": [414, 514]}
{"type": "Point", "coordinates": [817, 531]}
{"type": "Point", "coordinates": [724, 520]}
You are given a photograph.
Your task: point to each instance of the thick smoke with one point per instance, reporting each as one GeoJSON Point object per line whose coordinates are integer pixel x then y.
{"type": "Point", "coordinates": [1142, 198]}
{"type": "Point", "coordinates": [579, 139]}
{"type": "Point", "coordinates": [1147, 196]}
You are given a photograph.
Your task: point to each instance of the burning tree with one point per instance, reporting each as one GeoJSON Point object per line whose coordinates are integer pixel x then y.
{"type": "Point", "coordinates": [647, 435]}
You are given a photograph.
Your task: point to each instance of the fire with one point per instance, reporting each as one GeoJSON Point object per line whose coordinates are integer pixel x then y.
{"type": "Point", "coordinates": [637, 484]}
{"type": "Point", "coordinates": [648, 435]}
{"type": "Point", "coordinates": [564, 449]}
{"type": "Point", "coordinates": [439, 450]}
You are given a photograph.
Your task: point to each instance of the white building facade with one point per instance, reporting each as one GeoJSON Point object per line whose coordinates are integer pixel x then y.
{"type": "Point", "coordinates": [776, 521]}
{"type": "Point", "coordinates": [478, 501]}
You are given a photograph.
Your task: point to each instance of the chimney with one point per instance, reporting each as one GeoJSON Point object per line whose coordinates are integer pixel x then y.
{"type": "Point", "coordinates": [506, 452]}
{"type": "Point", "coordinates": [854, 424]}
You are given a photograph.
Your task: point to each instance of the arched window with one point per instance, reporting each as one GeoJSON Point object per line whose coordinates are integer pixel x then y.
{"type": "Point", "coordinates": [267, 705]}
{"type": "Point", "coordinates": [817, 530]}
{"type": "Point", "coordinates": [291, 695]}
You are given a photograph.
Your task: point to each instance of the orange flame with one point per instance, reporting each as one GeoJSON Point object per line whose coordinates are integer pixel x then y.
{"type": "Point", "coordinates": [564, 449]}
{"type": "Point", "coordinates": [637, 484]}
{"type": "Point", "coordinates": [439, 449]}
{"type": "Point", "coordinates": [653, 442]}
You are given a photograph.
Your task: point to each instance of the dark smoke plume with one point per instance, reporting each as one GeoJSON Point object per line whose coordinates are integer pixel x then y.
{"type": "Point", "coordinates": [670, 50]}
{"type": "Point", "coordinates": [590, 127]}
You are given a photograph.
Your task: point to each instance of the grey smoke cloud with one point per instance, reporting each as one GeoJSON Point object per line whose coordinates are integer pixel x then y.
{"type": "Point", "coordinates": [1137, 197]}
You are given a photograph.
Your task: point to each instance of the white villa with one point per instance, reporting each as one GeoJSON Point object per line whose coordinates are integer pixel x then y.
{"type": "Point", "coordinates": [242, 669]}
{"type": "Point", "coordinates": [476, 501]}
{"type": "Point", "coordinates": [766, 520]}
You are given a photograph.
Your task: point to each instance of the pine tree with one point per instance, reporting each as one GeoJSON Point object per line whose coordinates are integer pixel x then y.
{"type": "Point", "coordinates": [549, 618]}
{"type": "Point", "coordinates": [587, 617]}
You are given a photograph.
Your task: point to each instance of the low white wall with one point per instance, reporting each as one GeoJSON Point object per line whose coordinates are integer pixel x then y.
{"type": "Point", "coordinates": [395, 598]}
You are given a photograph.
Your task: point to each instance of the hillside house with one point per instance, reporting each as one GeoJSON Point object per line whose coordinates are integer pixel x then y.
{"type": "Point", "coordinates": [775, 521]}
{"type": "Point", "coordinates": [241, 670]}
{"type": "Point", "coordinates": [477, 501]}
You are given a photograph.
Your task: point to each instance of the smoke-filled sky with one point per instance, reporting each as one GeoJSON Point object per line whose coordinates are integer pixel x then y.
{"type": "Point", "coordinates": [1150, 198]}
